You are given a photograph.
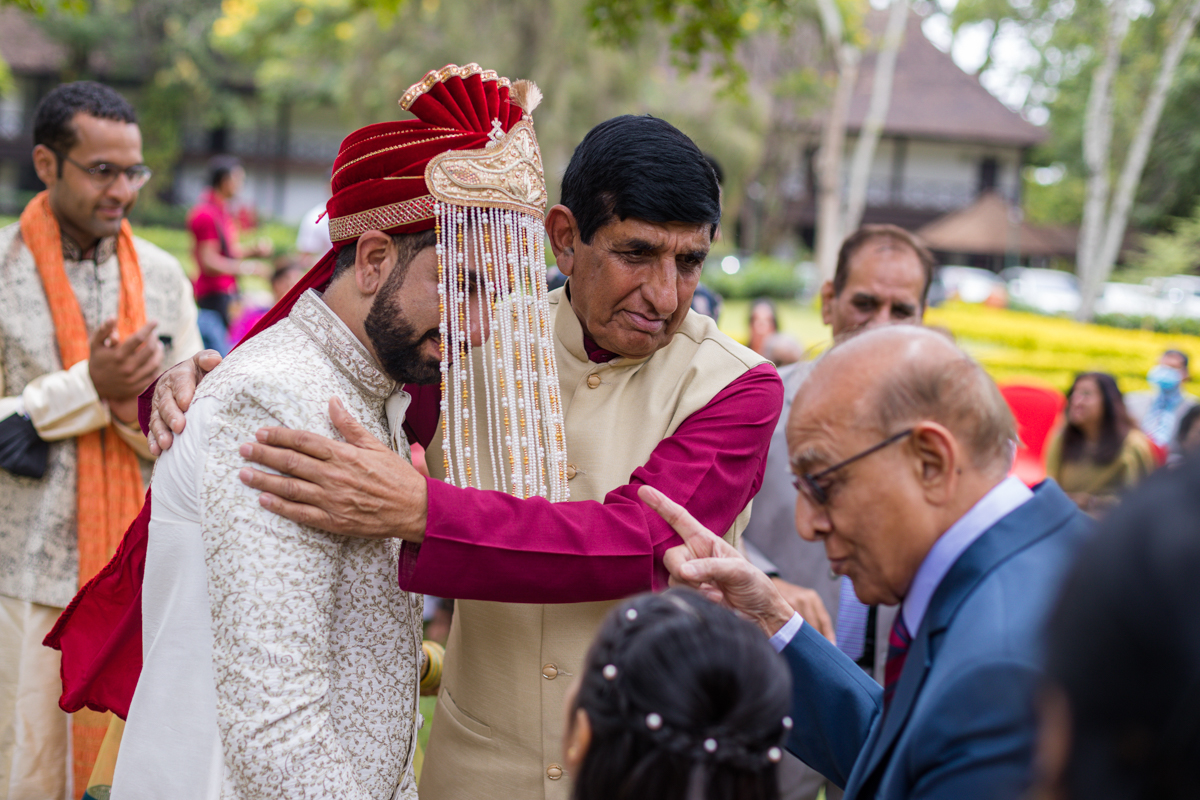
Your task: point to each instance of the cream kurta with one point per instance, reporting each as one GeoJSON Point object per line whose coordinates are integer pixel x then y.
{"type": "Point", "coordinates": [279, 661]}
{"type": "Point", "coordinates": [39, 552]}
{"type": "Point", "coordinates": [498, 726]}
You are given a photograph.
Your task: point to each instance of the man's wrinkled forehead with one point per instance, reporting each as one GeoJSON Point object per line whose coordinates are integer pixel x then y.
{"type": "Point", "coordinates": [646, 233]}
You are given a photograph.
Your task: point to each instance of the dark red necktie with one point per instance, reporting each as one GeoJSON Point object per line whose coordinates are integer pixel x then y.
{"type": "Point", "coordinates": [898, 643]}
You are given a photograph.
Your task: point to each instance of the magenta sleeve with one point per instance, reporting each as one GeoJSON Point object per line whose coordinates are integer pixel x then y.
{"type": "Point", "coordinates": [486, 545]}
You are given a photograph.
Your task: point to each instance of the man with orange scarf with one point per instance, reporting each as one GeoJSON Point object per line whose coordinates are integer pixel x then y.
{"type": "Point", "coordinates": [88, 315]}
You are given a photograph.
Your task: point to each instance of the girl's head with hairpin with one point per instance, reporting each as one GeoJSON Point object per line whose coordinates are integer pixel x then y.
{"type": "Point", "coordinates": [679, 700]}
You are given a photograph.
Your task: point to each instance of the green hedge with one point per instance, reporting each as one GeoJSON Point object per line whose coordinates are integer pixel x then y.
{"type": "Point", "coordinates": [759, 276]}
{"type": "Point", "coordinates": [1184, 325]}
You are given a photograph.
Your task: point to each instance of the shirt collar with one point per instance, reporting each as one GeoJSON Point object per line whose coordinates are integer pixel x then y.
{"type": "Point", "coordinates": [1169, 400]}
{"type": "Point", "coordinates": [595, 353]}
{"type": "Point", "coordinates": [342, 347]}
{"type": "Point", "coordinates": [1004, 498]}
{"type": "Point", "coordinates": [211, 197]}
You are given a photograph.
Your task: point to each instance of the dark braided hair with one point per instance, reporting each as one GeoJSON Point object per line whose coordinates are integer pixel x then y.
{"type": "Point", "coordinates": [685, 702]}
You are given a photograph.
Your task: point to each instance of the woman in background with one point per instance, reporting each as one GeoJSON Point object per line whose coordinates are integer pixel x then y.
{"type": "Point", "coordinates": [1099, 452]}
{"type": "Point", "coordinates": [679, 700]}
{"type": "Point", "coordinates": [764, 323]}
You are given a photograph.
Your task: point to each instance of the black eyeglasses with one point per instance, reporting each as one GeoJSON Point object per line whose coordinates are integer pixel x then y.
{"type": "Point", "coordinates": [104, 175]}
{"type": "Point", "coordinates": [807, 483]}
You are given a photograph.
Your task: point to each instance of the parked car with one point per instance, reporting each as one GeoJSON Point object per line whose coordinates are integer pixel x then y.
{"type": "Point", "coordinates": [1049, 291]}
{"type": "Point", "coordinates": [1178, 296]}
{"type": "Point", "coordinates": [1130, 299]}
{"type": "Point", "coordinates": [969, 284]}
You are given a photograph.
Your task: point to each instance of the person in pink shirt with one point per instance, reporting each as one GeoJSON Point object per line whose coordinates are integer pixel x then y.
{"type": "Point", "coordinates": [219, 256]}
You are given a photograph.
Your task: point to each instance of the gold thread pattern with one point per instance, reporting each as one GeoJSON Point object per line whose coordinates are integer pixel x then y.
{"type": "Point", "coordinates": [352, 226]}
{"type": "Point", "coordinates": [436, 76]}
{"type": "Point", "coordinates": [506, 175]}
{"type": "Point", "coordinates": [398, 147]}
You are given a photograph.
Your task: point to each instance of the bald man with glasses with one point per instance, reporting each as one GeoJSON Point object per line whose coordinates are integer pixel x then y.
{"type": "Point", "coordinates": [88, 314]}
{"type": "Point", "coordinates": [900, 446]}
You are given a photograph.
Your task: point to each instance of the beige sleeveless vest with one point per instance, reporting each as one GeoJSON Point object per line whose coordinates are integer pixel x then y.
{"type": "Point", "coordinates": [497, 731]}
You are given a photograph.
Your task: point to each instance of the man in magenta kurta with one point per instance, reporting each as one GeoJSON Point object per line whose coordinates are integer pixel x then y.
{"type": "Point", "coordinates": [636, 272]}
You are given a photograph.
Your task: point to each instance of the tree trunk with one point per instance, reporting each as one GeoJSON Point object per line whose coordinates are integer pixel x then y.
{"type": "Point", "coordinates": [1135, 160]}
{"type": "Point", "coordinates": [833, 140]}
{"type": "Point", "coordinates": [829, 164]}
{"type": "Point", "coordinates": [881, 98]}
{"type": "Point", "coordinates": [1097, 146]}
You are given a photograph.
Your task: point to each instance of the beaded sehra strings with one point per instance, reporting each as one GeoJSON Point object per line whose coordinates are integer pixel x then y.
{"type": "Point", "coordinates": [511, 380]}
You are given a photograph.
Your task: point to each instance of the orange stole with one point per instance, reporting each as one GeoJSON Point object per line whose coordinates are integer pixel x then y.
{"type": "Point", "coordinates": [109, 490]}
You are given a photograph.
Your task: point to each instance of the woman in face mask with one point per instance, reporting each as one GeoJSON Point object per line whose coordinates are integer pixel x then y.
{"type": "Point", "coordinates": [1099, 452]}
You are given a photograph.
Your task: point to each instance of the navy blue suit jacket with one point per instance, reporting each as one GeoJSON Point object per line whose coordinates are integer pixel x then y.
{"type": "Point", "coordinates": [961, 723]}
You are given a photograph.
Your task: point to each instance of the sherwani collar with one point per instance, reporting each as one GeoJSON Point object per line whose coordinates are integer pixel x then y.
{"type": "Point", "coordinates": [105, 249]}
{"type": "Point", "coordinates": [343, 348]}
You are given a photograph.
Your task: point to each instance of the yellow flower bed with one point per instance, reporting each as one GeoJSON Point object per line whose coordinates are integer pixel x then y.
{"type": "Point", "coordinates": [1016, 345]}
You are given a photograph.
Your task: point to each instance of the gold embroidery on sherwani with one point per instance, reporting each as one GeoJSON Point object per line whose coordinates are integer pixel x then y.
{"type": "Point", "coordinates": [315, 647]}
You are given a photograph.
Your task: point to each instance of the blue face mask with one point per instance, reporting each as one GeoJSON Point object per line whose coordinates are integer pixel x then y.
{"type": "Point", "coordinates": [1164, 378]}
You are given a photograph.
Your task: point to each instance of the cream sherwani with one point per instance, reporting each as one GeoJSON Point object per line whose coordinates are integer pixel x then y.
{"type": "Point", "coordinates": [39, 556]}
{"type": "Point", "coordinates": [497, 731]}
{"type": "Point", "coordinates": [279, 661]}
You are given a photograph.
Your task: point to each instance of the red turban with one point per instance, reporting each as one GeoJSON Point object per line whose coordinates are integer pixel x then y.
{"type": "Point", "coordinates": [379, 174]}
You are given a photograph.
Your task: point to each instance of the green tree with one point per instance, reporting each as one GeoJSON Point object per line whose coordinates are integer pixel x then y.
{"type": "Point", "coordinates": [354, 60]}
{"type": "Point", "coordinates": [1105, 72]}
{"type": "Point", "coordinates": [726, 35]}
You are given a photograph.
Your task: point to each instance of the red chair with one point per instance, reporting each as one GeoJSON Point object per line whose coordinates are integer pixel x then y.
{"type": "Point", "coordinates": [1036, 409]}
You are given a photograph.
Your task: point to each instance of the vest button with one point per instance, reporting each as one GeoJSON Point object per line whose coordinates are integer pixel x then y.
{"type": "Point", "coordinates": [549, 672]}
{"type": "Point", "coordinates": [554, 772]}
{"type": "Point", "coordinates": [593, 381]}
{"type": "Point", "coordinates": [571, 472]}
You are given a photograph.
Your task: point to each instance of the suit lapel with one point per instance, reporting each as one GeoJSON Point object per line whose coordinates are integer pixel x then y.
{"type": "Point", "coordinates": [1043, 514]}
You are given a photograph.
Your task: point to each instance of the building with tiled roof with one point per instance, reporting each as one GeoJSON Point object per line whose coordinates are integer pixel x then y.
{"type": "Point", "coordinates": [946, 139]}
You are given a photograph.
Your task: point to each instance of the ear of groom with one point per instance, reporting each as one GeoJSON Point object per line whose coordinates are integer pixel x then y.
{"type": "Point", "coordinates": [374, 260]}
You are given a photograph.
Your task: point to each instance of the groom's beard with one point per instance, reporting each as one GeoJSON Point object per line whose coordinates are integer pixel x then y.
{"type": "Point", "coordinates": [396, 341]}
